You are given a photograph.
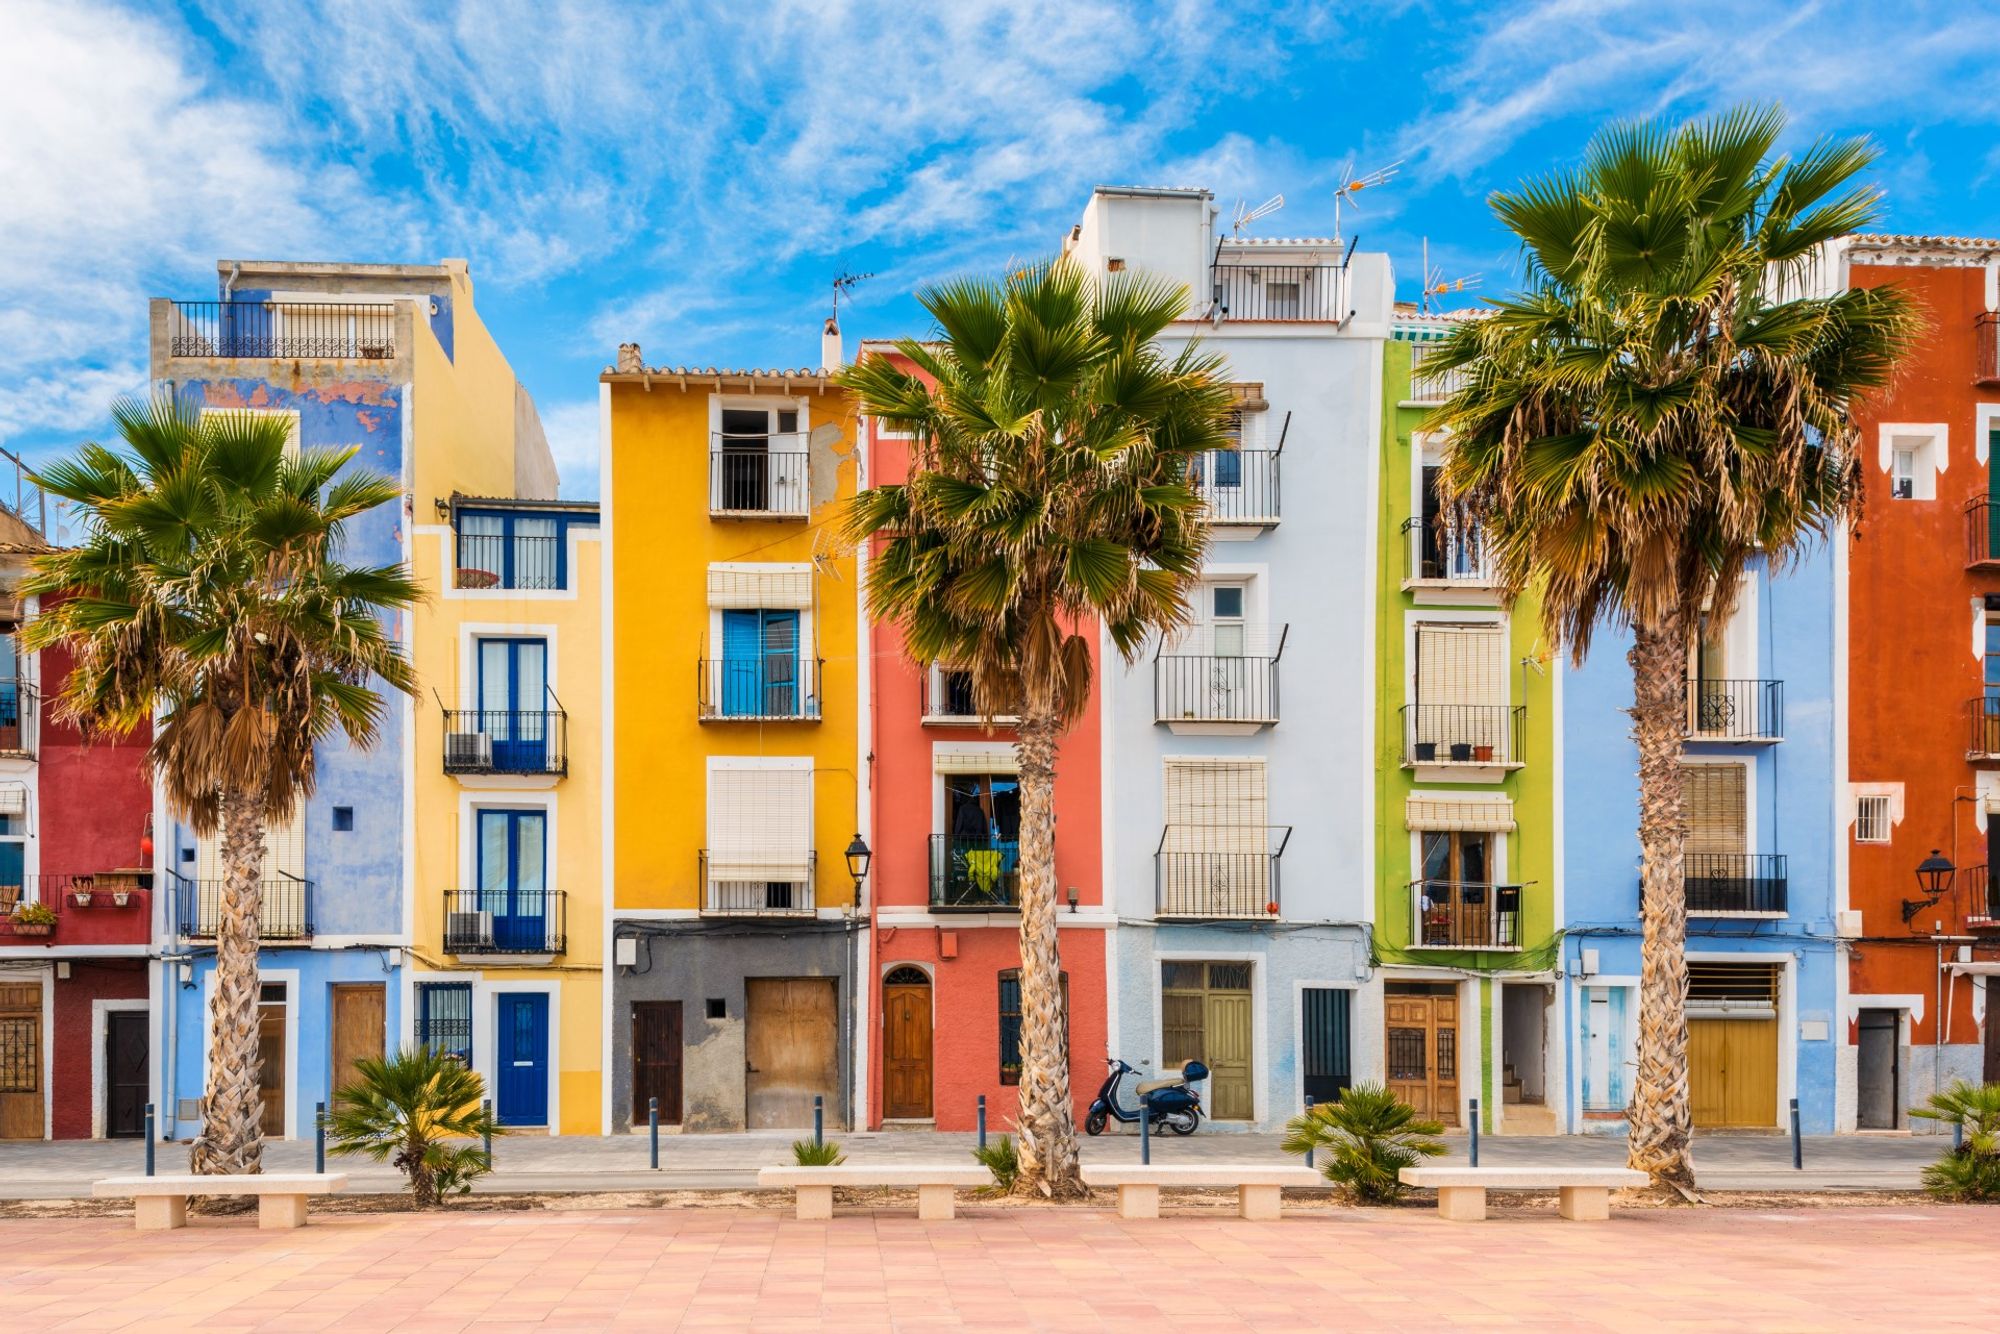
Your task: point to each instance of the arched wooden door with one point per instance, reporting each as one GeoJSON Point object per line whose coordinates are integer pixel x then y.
{"type": "Point", "coordinates": [906, 1045]}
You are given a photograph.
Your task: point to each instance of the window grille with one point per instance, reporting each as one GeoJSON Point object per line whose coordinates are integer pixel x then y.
{"type": "Point", "coordinates": [1010, 1024]}
{"type": "Point", "coordinates": [444, 1018]}
{"type": "Point", "coordinates": [21, 1054]}
{"type": "Point", "coordinates": [1871, 818]}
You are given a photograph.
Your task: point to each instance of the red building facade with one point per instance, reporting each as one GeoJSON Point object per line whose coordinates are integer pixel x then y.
{"type": "Point", "coordinates": [76, 902]}
{"type": "Point", "coordinates": [945, 938]}
{"type": "Point", "coordinates": [1923, 694]}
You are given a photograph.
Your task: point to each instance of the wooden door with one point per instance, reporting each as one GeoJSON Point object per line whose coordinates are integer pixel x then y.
{"type": "Point", "coordinates": [906, 1046]}
{"type": "Point", "coordinates": [791, 1051]}
{"type": "Point", "coordinates": [1991, 1070]}
{"type": "Point", "coordinates": [656, 1060]}
{"type": "Point", "coordinates": [126, 1062]}
{"type": "Point", "coordinates": [1226, 1036]}
{"type": "Point", "coordinates": [21, 1060]}
{"type": "Point", "coordinates": [1733, 1072]}
{"type": "Point", "coordinates": [271, 1059]}
{"type": "Point", "coordinates": [1423, 1053]}
{"type": "Point", "coordinates": [360, 1015]}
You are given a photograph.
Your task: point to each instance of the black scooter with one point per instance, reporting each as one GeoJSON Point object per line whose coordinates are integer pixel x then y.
{"type": "Point", "coordinates": [1168, 1102]}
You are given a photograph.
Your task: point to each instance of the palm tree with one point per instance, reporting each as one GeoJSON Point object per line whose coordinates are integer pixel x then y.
{"type": "Point", "coordinates": [1048, 491]}
{"type": "Point", "coordinates": [208, 594]}
{"type": "Point", "coordinates": [1668, 395]}
{"type": "Point", "coordinates": [423, 1111]}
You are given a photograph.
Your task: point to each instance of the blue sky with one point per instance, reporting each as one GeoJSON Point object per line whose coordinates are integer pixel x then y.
{"type": "Point", "coordinates": [692, 176]}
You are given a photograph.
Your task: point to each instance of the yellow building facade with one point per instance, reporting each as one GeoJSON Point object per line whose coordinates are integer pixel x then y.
{"type": "Point", "coordinates": [737, 766]}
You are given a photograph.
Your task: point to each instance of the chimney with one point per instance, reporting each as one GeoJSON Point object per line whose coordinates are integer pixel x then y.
{"type": "Point", "coordinates": [830, 355]}
{"type": "Point", "coordinates": [629, 362]}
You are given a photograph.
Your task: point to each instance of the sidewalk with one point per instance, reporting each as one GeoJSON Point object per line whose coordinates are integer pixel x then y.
{"type": "Point", "coordinates": [38, 1170]}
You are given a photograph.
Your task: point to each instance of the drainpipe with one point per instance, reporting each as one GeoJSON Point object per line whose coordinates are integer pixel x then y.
{"type": "Point", "coordinates": [229, 283]}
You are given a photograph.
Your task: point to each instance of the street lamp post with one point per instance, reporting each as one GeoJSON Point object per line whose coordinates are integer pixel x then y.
{"type": "Point", "coordinates": [858, 857]}
{"type": "Point", "coordinates": [1934, 877]}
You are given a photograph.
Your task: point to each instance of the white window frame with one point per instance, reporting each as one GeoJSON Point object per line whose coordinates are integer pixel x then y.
{"type": "Point", "coordinates": [1930, 445]}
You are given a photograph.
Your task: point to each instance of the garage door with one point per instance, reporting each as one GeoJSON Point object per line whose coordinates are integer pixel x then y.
{"type": "Point", "coordinates": [1733, 1045]}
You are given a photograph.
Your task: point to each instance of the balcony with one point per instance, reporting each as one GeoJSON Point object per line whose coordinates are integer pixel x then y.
{"type": "Point", "coordinates": [759, 477]}
{"type": "Point", "coordinates": [1238, 486]}
{"type": "Point", "coordinates": [505, 741]}
{"type": "Point", "coordinates": [1729, 884]}
{"type": "Point", "coordinates": [1464, 915]}
{"type": "Point", "coordinates": [767, 688]}
{"type": "Point", "coordinates": [1435, 384]}
{"type": "Point", "coordinates": [1209, 692]}
{"type": "Point", "coordinates": [1980, 887]}
{"type": "Point", "coordinates": [1218, 872]}
{"type": "Point", "coordinates": [1986, 348]}
{"type": "Point", "coordinates": [505, 920]}
{"type": "Point", "coordinates": [282, 330]}
{"type": "Point", "coordinates": [287, 912]}
{"type": "Point", "coordinates": [947, 700]}
{"type": "Point", "coordinates": [1465, 736]}
{"type": "Point", "coordinates": [1446, 554]}
{"type": "Point", "coordinates": [20, 719]}
{"type": "Point", "coordinates": [1982, 725]}
{"type": "Point", "coordinates": [741, 889]}
{"type": "Point", "coordinates": [1740, 712]}
{"type": "Point", "coordinates": [1982, 533]}
{"type": "Point", "coordinates": [532, 562]}
{"type": "Point", "coordinates": [975, 874]}
{"type": "Point", "coordinates": [1279, 293]}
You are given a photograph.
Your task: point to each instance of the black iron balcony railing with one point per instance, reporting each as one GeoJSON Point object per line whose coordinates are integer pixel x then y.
{"type": "Point", "coordinates": [1482, 735]}
{"type": "Point", "coordinates": [1726, 710]}
{"type": "Point", "coordinates": [1217, 688]}
{"type": "Point", "coordinates": [1465, 915]}
{"type": "Point", "coordinates": [1239, 486]}
{"type": "Point", "coordinates": [506, 741]}
{"type": "Point", "coordinates": [504, 920]}
{"type": "Point", "coordinates": [1979, 890]}
{"type": "Point", "coordinates": [1734, 882]}
{"type": "Point", "coordinates": [1982, 719]}
{"type": "Point", "coordinates": [759, 688]}
{"type": "Point", "coordinates": [761, 476]}
{"type": "Point", "coordinates": [495, 560]}
{"type": "Point", "coordinates": [1982, 533]}
{"type": "Point", "coordinates": [1430, 383]}
{"type": "Point", "coordinates": [286, 914]}
{"type": "Point", "coordinates": [1279, 292]}
{"type": "Point", "coordinates": [946, 697]}
{"type": "Point", "coordinates": [23, 896]}
{"type": "Point", "coordinates": [282, 329]}
{"type": "Point", "coordinates": [740, 886]}
{"type": "Point", "coordinates": [1447, 551]}
{"type": "Point", "coordinates": [1986, 347]}
{"type": "Point", "coordinates": [20, 718]}
{"type": "Point", "coordinates": [980, 874]}
{"type": "Point", "coordinates": [1218, 871]}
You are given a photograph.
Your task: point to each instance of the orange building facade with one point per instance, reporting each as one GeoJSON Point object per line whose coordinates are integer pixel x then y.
{"type": "Point", "coordinates": [943, 1022]}
{"type": "Point", "coordinates": [1922, 696]}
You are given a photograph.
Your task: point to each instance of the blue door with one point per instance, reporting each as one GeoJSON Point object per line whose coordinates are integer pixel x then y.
{"type": "Point", "coordinates": [523, 1056]}
{"type": "Point", "coordinates": [513, 703]}
{"type": "Point", "coordinates": [513, 868]}
{"type": "Point", "coordinates": [760, 664]}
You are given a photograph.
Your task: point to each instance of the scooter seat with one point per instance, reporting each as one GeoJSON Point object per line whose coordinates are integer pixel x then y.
{"type": "Point", "coordinates": [1155, 1085]}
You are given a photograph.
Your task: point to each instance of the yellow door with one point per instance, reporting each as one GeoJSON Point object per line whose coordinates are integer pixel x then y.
{"type": "Point", "coordinates": [1733, 1072]}
{"type": "Point", "coordinates": [1228, 1024]}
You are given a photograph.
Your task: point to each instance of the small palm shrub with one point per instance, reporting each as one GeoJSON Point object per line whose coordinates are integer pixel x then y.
{"type": "Point", "coordinates": [1363, 1141]}
{"type": "Point", "coordinates": [417, 1109]}
{"type": "Point", "coordinates": [824, 1153]}
{"type": "Point", "coordinates": [1972, 1170]}
{"type": "Point", "coordinates": [1002, 1161]}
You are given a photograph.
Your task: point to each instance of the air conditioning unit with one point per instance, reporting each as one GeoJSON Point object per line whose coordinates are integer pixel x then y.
{"type": "Point", "coordinates": [468, 932]}
{"type": "Point", "coordinates": [468, 750]}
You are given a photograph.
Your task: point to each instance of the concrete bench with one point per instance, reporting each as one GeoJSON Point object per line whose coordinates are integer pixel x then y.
{"type": "Point", "coordinates": [160, 1202]}
{"type": "Point", "coordinates": [1258, 1186]}
{"type": "Point", "coordinates": [1584, 1192]}
{"type": "Point", "coordinates": [813, 1186]}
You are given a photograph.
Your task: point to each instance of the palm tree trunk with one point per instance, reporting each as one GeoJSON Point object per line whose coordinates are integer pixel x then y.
{"type": "Point", "coordinates": [1659, 1141]}
{"type": "Point", "coordinates": [1047, 1128]}
{"type": "Point", "coordinates": [231, 1139]}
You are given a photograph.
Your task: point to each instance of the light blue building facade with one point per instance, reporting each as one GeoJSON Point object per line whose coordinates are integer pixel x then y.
{"type": "Point", "coordinates": [1763, 945]}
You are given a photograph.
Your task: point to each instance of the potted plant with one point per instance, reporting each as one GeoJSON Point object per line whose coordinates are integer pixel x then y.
{"type": "Point", "coordinates": [34, 919]}
{"type": "Point", "coordinates": [1484, 754]}
{"type": "Point", "coordinates": [1460, 752]}
{"type": "Point", "coordinates": [81, 889]}
{"type": "Point", "coordinates": [1427, 751]}
{"type": "Point", "coordinates": [121, 895]}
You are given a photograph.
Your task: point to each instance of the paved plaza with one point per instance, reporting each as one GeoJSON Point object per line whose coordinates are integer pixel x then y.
{"type": "Point", "coordinates": [1002, 1268]}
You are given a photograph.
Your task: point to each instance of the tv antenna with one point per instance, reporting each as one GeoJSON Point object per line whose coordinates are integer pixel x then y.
{"type": "Point", "coordinates": [846, 282]}
{"type": "Point", "coordinates": [1437, 285]}
{"type": "Point", "coordinates": [1352, 185]}
{"type": "Point", "coordinates": [1246, 215]}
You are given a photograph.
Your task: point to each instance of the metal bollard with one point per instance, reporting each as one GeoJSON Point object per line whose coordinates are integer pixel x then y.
{"type": "Point", "coordinates": [1958, 1136]}
{"type": "Point", "coordinates": [150, 1138]}
{"type": "Point", "coordinates": [653, 1128]}
{"type": "Point", "coordinates": [1798, 1145]}
{"type": "Point", "coordinates": [319, 1137]}
{"type": "Point", "coordinates": [819, 1118]}
{"type": "Point", "coordinates": [486, 1111]}
{"type": "Point", "coordinates": [1309, 1112]}
{"type": "Point", "coordinates": [1475, 1132]}
{"type": "Point", "coordinates": [982, 1120]}
{"type": "Point", "coordinates": [1145, 1133]}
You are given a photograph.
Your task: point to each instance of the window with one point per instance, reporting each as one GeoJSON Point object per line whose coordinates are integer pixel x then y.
{"type": "Point", "coordinates": [979, 862]}
{"type": "Point", "coordinates": [1215, 852]}
{"type": "Point", "coordinates": [1871, 818]}
{"type": "Point", "coordinates": [1220, 469]}
{"type": "Point", "coordinates": [1225, 620]}
{"type": "Point", "coordinates": [343, 819]}
{"type": "Point", "coordinates": [444, 1019]}
{"type": "Point", "coordinates": [1460, 713]}
{"type": "Point", "coordinates": [1903, 475]}
{"type": "Point", "coordinates": [13, 861]}
{"type": "Point", "coordinates": [1448, 545]}
{"type": "Point", "coordinates": [760, 664]}
{"type": "Point", "coordinates": [1913, 454]}
{"type": "Point", "coordinates": [1010, 1024]}
{"type": "Point", "coordinates": [760, 853]}
{"type": "Point", "coordinates": [1718, 821]}
{"type": "Point", "coordinates": [513, 702]}
{"type": "Point", "coordinates": [759, 464]}
{"type": "Point", "coordinates": [512, 858]}
{"type": "Point", "coordinates": [498, 549]}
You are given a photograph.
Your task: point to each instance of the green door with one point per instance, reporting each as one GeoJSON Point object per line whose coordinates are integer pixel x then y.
{"type": "Point", "coordinates": [1992, 551]}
